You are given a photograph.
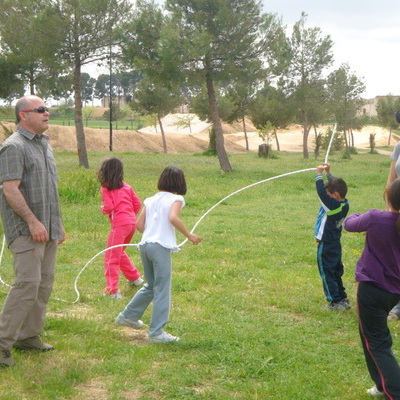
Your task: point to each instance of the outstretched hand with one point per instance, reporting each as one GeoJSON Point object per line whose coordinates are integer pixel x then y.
{"type": "Point", "coordinates": [194, 238]}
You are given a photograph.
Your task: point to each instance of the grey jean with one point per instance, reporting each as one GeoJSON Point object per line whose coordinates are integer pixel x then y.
{"type": "Point", "coordinates": [157, 268]}
{"type": "Point", "coordinates": [24, 309]}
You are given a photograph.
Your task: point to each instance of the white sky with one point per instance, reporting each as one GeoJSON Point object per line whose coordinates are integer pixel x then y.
{"type": "Point", "coordinates": [365, 33]}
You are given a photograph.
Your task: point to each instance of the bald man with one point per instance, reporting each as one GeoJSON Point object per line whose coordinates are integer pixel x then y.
{"type": "Point", "coordinates": [30, 212]}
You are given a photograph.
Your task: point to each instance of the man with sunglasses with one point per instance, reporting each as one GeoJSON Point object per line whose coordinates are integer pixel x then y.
{"type": "Point", "coordinates": [30, 212]}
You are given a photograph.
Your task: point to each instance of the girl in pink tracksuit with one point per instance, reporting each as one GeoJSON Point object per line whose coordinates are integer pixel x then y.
{"type": "Point", "coordinates": [121, 204]}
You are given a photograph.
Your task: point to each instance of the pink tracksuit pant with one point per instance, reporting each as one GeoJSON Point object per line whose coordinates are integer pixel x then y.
{"type": "Point", "coordinates": [116, 260]}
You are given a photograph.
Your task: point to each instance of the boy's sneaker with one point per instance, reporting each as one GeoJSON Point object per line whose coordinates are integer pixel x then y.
{"type": "Point", "coordinates": [32, 343]}
{"type": "Point", "coordinates": [137, 282]}
{"type": "Point", "coordinates": [163, 338]}
{"type": "Point", "coordinates": [346, 303]}
{"type": "Point", "coordinates": [5, 358]}
{"type": "Point", "coordinates": [343, 304]}
{"type": "Point", "coordinates": [120, 320]}
{"type": "Point", "coordinates": [375, 392]}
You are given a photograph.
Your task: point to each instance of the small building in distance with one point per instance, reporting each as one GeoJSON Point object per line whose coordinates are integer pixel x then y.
{"type": "Point", "coordinates": [370, 105]}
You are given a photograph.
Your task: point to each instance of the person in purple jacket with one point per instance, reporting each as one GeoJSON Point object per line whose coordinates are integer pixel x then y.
{"type": "Point", "coordinates": [378, 277]}
{"type": "Point", "coordinates": [121, 204]}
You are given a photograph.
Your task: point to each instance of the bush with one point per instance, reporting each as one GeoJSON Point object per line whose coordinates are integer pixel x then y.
{"type": "Point", "coordinates": [338, 140]}
{"type": "Point", "coordinates": [7, 113]}
{"type": "Point", "coordinates": [345, 155]}
{"type": "Point", "coordinates": [353, 150]}
{"type": "Point", "coordinates": [78, 186]}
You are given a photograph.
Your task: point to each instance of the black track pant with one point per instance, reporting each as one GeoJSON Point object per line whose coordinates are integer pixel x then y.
{"type": "Point", "coordinates": [374, 305]}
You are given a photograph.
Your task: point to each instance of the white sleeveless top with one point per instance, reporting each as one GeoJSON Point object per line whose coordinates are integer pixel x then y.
{"type": "Point", "coordinates": [158, 228]}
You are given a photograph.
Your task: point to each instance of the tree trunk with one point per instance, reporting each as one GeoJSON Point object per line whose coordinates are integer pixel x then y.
{"type": "Point", "coordinates": [164, 142]}
{"type": "Point", "coordinates": [80, 132]}
{"type": "Point", "coordinates": [245, 133]}
{"type": "Point", "coordinates": [390, 135]}
{"type": "Point", "coordinates": [211, 135]}
{"type": "Point", "coordinates": [31, 82]}
{"type": "Point", "coordinates": [305, 134]}
{"type": "Point", "coordinates": [346, 142]}
{"type": "Point", "coordinates": [219, 136]}
{"type": "Point", "coordinates": [316, 151]}
{"type": "Point", "coordinates": [278, 147]}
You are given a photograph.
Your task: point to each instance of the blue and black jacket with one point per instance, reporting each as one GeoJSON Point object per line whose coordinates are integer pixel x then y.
{"type": "Point", "coordinates": [331, 215]}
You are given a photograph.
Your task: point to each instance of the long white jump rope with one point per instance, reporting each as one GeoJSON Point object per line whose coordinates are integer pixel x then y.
{"type": "Point", "coordinates": [194, 227]}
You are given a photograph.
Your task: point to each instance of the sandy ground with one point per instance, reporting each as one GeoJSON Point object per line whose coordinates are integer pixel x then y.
{"type": "Point", "coordinates": [194, 139]}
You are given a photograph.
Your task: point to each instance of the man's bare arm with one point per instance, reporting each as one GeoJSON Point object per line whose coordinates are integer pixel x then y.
{"type": "Point", "coordinates": [19, 205]}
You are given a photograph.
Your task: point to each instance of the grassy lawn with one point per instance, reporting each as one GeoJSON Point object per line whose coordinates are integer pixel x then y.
{"type": "Point", "coordinates": [98, 123]}
{"type": "Point", "coordinates": [247, 302]}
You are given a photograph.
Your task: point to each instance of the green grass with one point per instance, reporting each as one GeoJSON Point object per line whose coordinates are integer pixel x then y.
{"type": "Point", "coordinates": [247, 302]}
{"type": "Point", "coordinates": [97, 123]}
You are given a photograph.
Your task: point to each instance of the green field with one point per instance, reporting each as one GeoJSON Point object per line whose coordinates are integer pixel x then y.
{"type": "Point", "coordinates": [247, 302]}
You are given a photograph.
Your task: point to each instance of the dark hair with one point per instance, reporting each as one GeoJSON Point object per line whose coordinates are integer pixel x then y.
{"type": "Point", "coordinates": [111, 173]}
{"type": "Point", "coordinates": [393, 196]}
{"type": "Point", "coordinates": [172, 179]}
{"type": "Point", "coordinates": [337, 185]}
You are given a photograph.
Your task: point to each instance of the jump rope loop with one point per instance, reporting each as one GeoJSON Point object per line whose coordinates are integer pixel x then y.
{"type": "Point", "coordinates": [194, 227]}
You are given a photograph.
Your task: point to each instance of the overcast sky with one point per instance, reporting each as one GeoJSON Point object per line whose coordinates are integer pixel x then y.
{"type": "Point", "coordinates": [366, 35]}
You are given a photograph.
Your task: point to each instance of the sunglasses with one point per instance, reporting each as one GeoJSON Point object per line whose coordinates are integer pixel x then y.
{"type": "Point", "coordinates": [40, 110]}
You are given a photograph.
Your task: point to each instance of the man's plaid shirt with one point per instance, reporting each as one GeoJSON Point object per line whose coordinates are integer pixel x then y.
{"type": "Point", "coordinates": [28, 157]}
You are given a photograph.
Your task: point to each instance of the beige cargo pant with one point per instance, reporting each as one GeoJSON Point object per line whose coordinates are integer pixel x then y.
{"type": "Point", "coordinates": [24, 309]}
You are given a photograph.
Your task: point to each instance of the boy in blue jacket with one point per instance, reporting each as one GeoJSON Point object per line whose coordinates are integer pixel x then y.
{"type": "Point", "coordinates": [328, 231]}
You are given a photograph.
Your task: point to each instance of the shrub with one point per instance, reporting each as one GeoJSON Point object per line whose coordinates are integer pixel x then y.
{"type": "Point", "coordinates": [78, 186]}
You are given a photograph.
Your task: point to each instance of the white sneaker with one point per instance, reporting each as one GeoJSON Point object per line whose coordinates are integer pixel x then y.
{"type": "Point", "coordinates": [164, 338]}
{"type": "Point", "coordinates": [137, 282]}
{"type": "Point", "coordinates": [121, 320]}
{"type": "Point", "coordinates": [117, 295]}
{"type": "Point", "coordinates": [375, 392]}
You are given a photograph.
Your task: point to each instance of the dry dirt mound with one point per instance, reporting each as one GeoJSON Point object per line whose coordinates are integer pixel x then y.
{"type": "Point", "coordinates": [64, 138]}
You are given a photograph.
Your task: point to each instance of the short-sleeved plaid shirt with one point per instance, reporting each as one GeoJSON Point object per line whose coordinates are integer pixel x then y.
{"type": "Point", "coordinates": [28, 157]}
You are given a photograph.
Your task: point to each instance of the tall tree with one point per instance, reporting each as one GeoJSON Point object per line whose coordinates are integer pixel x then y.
{"type": "Point", "coordinates": [87, 87]}
{"type": "Point", "coordinates": [127, 83]}
{"type": "Point", "coordinates": [21, 43]}
{"type": "Point", "coordinates": [155, 99]}
{"type": "Point", "coordinates": [102, 86]}
{"type": "Point", "coordinates": [9, 77]}
{"type": "Point", "coordinates": [84, 33]}
{"type": "Point", "coordinates": [345, 101]}
{"type": "Point", "coordinates": [309, 55]}
{"type": "Point", "coordinates": [241, 95]}
{"type": "Point", "coordinates": [271, 108]}
{"type": "Point", "coordinates": [218, 41]}
{"type": "Point", "coordinates": [143, 40]}
{"type": "Point", "coordinates": [58, 87]}
{"type": "Point", "coordinates": [199, 104]}
{"type": "Point", "coordinates": [386, 110]}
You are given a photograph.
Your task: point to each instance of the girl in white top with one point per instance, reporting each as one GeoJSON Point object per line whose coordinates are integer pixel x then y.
{"type": "Point", "coordinates": [158, 220]}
